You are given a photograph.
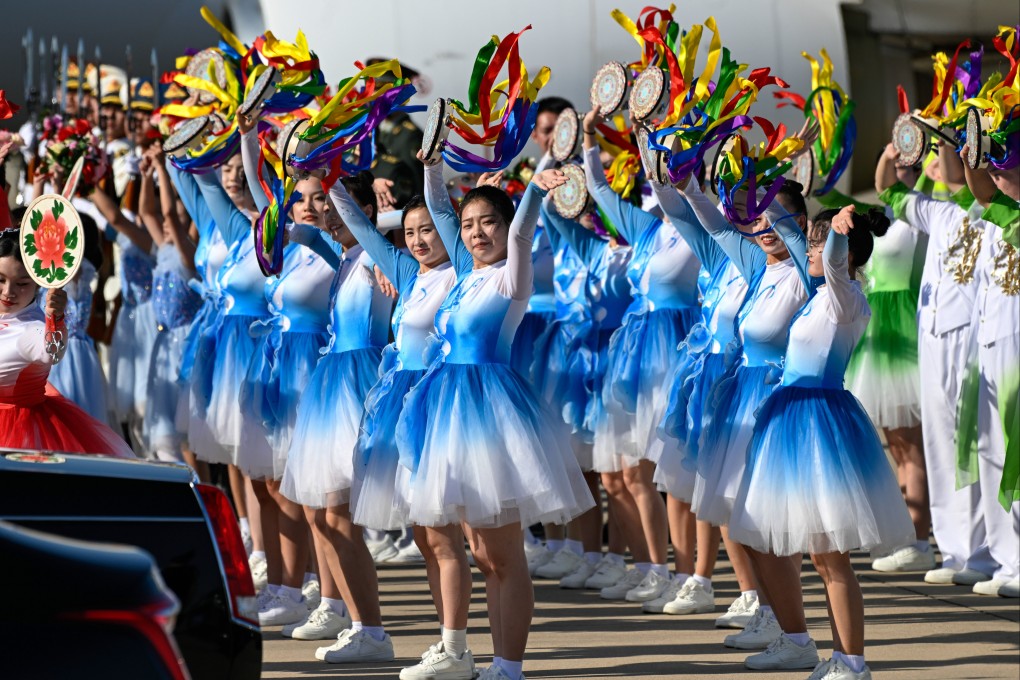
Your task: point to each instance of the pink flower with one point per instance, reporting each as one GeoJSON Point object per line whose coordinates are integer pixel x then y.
{"type": "Point", "coordinates": [49, 241]}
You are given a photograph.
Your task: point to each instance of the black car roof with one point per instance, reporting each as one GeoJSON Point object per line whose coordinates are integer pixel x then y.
{"type": "Point", "coordinates": [17, 460]}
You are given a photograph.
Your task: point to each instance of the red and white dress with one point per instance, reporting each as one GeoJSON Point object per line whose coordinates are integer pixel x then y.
{"type": "Point", "coordinates": [33, 415]}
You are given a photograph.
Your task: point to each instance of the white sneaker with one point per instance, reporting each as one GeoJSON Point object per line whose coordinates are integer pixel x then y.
{"type": "Point", "coordinates": [990, 587]}
{"type": "Point", "coordinates": [537, 555]}
{"type": "Point", "coordinates": [784, 655]}
{"type": "Point", "coordinates": [382, 550]}
{"type": "Point", "coordinates": [906, 559]}
{"type": "Point", "coordinates": [313, 596]}
{"type": "Point", "coordinates": [692, 599]}
{"type": "Point", "coordinates": [562, 563]}
{"type": "Point", "coordinates": [576, 579]}
{"type": "Point", "coordinates": [607, 573]}
{"type": "Point", "coordinates": [259, 571]}
{"type": "Point", "coordinates": [341, 640]}
{"type": "Point", "coordinates": [836, 669]}
{"type": "Point", "coordinates": [246, 540]}
{"type": "Point", "coordinates": [618, 591]}
{"type": "Point", "coordinates": [322, 623]}
{"type": "Point", "coordinates": [437, 664]}
{"type": "Point", "coordinates": [1010, 588]}
{"type": "Point", "coordinates": [408, 554]}
{"type": "Point", "coordinates": [821, 669]}
{"type": "Point", "coordinates": [761, 631]}
{"type": "Point", "coordinates": [739, 613]}
{"type": "Point", "coordinates": [280, 610]}
{"type": "Point", "coordinates": [360, 647]}
{"type": "Point", "coordinates": [655, 606]}
{"type": "Point", "coordinates": [651, 587]}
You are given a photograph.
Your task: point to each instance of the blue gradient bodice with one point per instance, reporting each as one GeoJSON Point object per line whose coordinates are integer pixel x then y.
{"type": "Point", "coordinates": [543, 259]}
{"type": "Point", "coordinates": [820, 348]}
{"type": "Point", "coordinates": [414, 321]}
{"type": "Point", "coordinates": [721, 304]}
{"type": "Point", "coordinates": [764, 320]}
{"type": "Point", "coordinates": [173, 300]}
{"type": "Point", "coordinates": [359, 314]}
{"type": "Point", "coordinates": [477, 322]}
{"type": "Point", "coordinates": [570, 281]}
{"type": "Point", "coordinates": [664, 271]}
{"type": "Point", "coordinates": [299, 299]}
{"type": "Point", "coordinates": [242, 282]}
{"type": "Point", "coordinates": [135, 272]}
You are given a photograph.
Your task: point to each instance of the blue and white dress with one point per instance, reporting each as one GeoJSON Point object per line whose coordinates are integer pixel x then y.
{"type": "Point", "coordinates": [817, 478]}
{"type": "Point", "coordinates": [135, 330]}
{"type": "Point", "coordinates": [541, 308]}
{"type": "Point", "coordinates": [175, 304]}
{"type": "Point", "coordinates": [558, 373]}
{"type": "Point", "coordinates": [320, 465]}
{"type": "Point", "coordinates": [480, 445]}
{"type": "Point", "coordinates": [643, 353]}
{"type": "Point", "coordinates": [199, 359]}
{"type": "Point", "coordinates": [79, 375]}
{"type": "Point", "coordinates": [775, 293]}
{"type": "Point", "coordinates": [710, 350]}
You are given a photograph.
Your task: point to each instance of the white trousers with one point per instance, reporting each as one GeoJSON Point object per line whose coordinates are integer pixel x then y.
{"type": "Point", "coordinates": [956, 515]}
{"type": "Point", "coordinates": [996, 361]}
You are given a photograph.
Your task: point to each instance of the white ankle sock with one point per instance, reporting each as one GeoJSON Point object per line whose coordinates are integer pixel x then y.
{"type": "Point", "coordinates": [922, 546]}
{"type": "Point", "coordinates": [799, 639]}
{"type": "Point", "coordinates": [309, 576]}
{"type": "Point", "coordinates": [854, 661]}
{"type": "Point", "coordinates": [455, 642]}
{"type": "Point", "coordinates": [753, 594]}
{"type": "Point", "coordinates": [705, 583]}
{"type": "Point", "coordinates": [660, 569]}
{"type": "Point", "coordinates": [592, 558]}
{"type": "Point", "coordinates": [336, 604]}
{"type": "Point", "coordinates": [574, 546]}
{"type": "Point", "coordinates": [258, 554]}
{"type": "Point", "coordinates": [766, 610]}
{"type": "Point", "coordinates": [497, 661]}
{"type": "Point", "coordinates": [245, 527]}
{"type": "Point", "coordinates": [292, 593]}
{"type": "Point", "coordinates": [512, 668]}
{"type": "Point", "coordinates": [529, 537]}
{"type": "Point", "coordinates": [616, 558]}
{"type": "Point", "coordinates": [643, 567]}
{"type": "Point", "coordinates": [681, 578]}
{"type": "Point", "coordinates": [554, 545]}
{"type": "Point", "coordinates": [377, 633]}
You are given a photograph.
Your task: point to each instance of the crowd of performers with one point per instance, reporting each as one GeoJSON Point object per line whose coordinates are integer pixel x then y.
{"type": "Point", "coordinates": [463, 361]}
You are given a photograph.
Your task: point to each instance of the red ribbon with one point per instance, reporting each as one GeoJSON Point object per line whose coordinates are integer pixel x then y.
{"type": "Point", "coordinates": [7, 109]}
{"type": "Point", "coordinates": [773, 134]}
{"type": "Point", "coordinates": [947, 83]}
{"type": "Point", "coordinates": [901, 97]}
{"type": "Point", "coordinates": [794, 100]}
{"type": "Point", "coordinates": [507, 49]}
{"type": "Point", "coordinates": [653, 36]}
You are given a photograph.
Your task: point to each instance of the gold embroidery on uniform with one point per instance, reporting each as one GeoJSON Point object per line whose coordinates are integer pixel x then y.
{"type": "Point", "coordinates": [962, 255]}
{"type": "Point", "coordinates": [1006, 268]}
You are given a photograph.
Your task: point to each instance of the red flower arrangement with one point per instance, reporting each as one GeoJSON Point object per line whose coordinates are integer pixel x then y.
{"type": "Point", "coordinates": [65, 142]}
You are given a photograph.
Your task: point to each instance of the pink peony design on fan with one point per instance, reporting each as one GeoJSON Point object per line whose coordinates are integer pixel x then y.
{"type": "Point", "coordinates": [52, 242]}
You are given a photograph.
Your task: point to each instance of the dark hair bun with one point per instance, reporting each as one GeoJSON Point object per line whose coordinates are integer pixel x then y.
{"type": "Point", "coordinates": [876, 221]}
{"type": "Point", "coordinates": [792, 185]}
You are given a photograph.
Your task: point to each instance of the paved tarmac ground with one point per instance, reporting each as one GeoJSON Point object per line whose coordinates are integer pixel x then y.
{"type": "Point", "coordinates": [914, 631]}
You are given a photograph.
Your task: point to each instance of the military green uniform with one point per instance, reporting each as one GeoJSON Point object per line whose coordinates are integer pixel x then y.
{"type": "Point", "coordinates": [398, 141]}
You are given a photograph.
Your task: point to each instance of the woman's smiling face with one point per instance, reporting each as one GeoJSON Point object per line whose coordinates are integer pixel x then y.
{"type": "Point", "coordinates": [17, 289]}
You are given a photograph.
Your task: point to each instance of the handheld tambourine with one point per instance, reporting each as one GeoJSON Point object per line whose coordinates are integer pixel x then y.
{"type": "Point", "coordinates": [289, 144]}
{"type": "Point", "coordinates": [198, 67]}
{"type": "Point", "coordinates": [71, 185]}
{"type": "Point", "coordinates": [571, 199]}
{"type": "Point", "coordinates": [264, 88]}
{"type": "Point", "coordinates": [566, 135]}
{"type": "Point", "coordinates": [803, 170]}
{"type": "Point", "coordinates": [720, 154]}
{"type": "Point", "coordinates": [609, 88]}
{"type": "Point", "coordinates": [979, 144]}
{"type": "Point", "coordinates": [653, 161]}
{"type": "Point", "coordinates": [190, 134]}
{"type": "Point", "coordinates": [649, 96]}
{"type": "Point", "coordinates": [437, 129]}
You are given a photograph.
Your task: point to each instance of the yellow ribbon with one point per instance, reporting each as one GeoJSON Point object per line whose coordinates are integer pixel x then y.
{"type": "Point", "coordinates": [225, 33]}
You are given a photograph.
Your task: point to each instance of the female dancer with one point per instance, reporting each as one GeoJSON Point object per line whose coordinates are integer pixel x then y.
{"type": "Point", "coordinates": [380, 484]}
{"type": "Point", "coordinates": [883, 374]}
{"type": "Point", "coordinates": [175, 306]}
{"type": "Point", "coordinates": [664, 276]}
{"type": "Point", "coordinates": [33, 417]}
{"type": "Point", "coordinates": [320, 464]}
{"type": "Point", "coordinates": [501, 462]}
{"type": "Point", "coordinates": [709, 351]}
{"type": "Point", "coordinates": [778, 285]}
{"type": "Point", "coordinates": [817, 479]}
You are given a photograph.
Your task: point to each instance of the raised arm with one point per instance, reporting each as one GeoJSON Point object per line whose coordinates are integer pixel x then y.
{"type": "Point", "coordinates": [519, 269]}
{"type": "Point", "coordinates": [686, 223]}
{"type": "Point", "coordinates": [191, 195]}
{"type": "Point", "coordinates": [748, 257]}
{"type": "Point", "coordinates": [631, 220]}
{"type": "Point", "coordinates": [178, 232]}
{"type": "Point", "coordinates": [251, 156]}
{"type": "Point", "coordinates": [116, 219]}
{"type": "Point", "coordinates": [796, 244]}
{"type": "Point", "coordinates": [588, 246]}
{"type": "Point", "coordinates": [437, 198]}
{"type": "Point", "coordinates": [397, 266]}
{"type": "Point", "coordinates": [232, 222]}
{"type": "Point", "coordinates": [316, 241]}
